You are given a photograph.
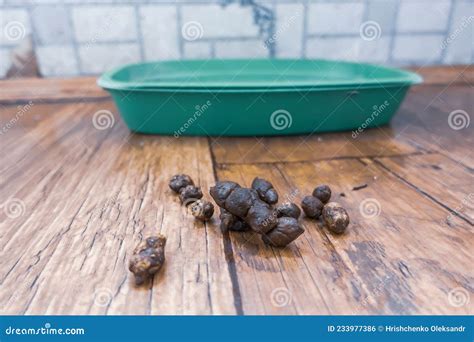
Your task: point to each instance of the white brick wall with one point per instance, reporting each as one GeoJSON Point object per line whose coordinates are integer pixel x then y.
{"type": "Point", "coordinates": [340, 48]}
{"type": "Point", "coordinates": [219, 21]}
{"type": "Point", "coordinates": [98, 58]}
{"type": "Point", "coordinates": [384, 13]}
{"type": "Point", "coordinates": [76, 37]}
{"type": "Point", "coordinates": [289, 30]}
{"type": "Point", "coordinates": [239, 49]}
{"type": "Point", "coordinates": [104, 23]}
{"type": "Point", "coordinates": [423, 15]}
{"type": "Point", "coordinates": [51, 25]}
{"type": "Point", "coordinates": [458, 45]}
{"type": "Point", "coordinates": [200, 50]}
{"type": "Point", "coordinates": [333, 18]}
{"type": "Point", "coordinates": [375, 51]}
{"type": "Point", "coordinates": [410, 49]}
{"type": "Point", "coordinates": [57, 60]}
{"type": "Point", "coordinates": [159, 29]}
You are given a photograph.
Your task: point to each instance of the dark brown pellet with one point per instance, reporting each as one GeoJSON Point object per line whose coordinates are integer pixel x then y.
{"type": "Point", "coordinates": [232, 222]}
{"type": "Point", "coordinates": [189, 194]}
{"type": "Point", "coordinates": [335, 217]}
{"type": "Point", "coordinates": [286, 231]}
{"type": "Point", "coordinates": [147, 258]}
{"type": "Point", "coordinates": [178, 182]}
{"type": "Point", "coordinates": [288, 210]}
{"type": "Point", "coordinates": [202, 210]}
{"type": "Point", "coordinates": [323, 193]}
{"type": "Point", "coordinates": [312, 206]}
{"type": "Point", "coordinates": [244, 203]}
{"type": "Point", "coordinates": [265, 190]}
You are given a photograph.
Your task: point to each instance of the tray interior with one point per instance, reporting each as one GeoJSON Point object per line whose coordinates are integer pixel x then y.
{"type": "Point", "coordinates": [260, 74]}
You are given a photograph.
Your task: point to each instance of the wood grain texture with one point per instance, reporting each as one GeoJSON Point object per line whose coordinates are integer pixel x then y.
{"type": "Point", "coordinates": [424, 121]}
{"type": "Point", "coordinates": [385, 264]}
{"type": "Point", "coordinates": [450, 184]}
{"type": "Point", "coordinates": [89, 197]}
{"type": "Point", "coordinates": [443, 75]}
{"type": "Point", "coordinates": [75, 200]}
{"type": "Point", "coordinates": [45, 89]}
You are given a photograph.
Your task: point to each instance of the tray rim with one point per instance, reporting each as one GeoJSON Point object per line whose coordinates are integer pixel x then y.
{"type": "Point", "coordinates": [405, 78]}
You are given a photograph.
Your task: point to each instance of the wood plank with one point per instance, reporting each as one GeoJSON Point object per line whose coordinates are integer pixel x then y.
{"type": "Point", "coordinates": [424, 122]}
{"type": "Point", "coordinates": [89, 197]}
{"type": "Point", "coordinates": [47, 89]}
{"type": "Point", "coordinates": [403, 261]}
{"type": "Point", "coordinates": [449, 183]}
{"type": "Point", "coordinates": [447, 74]}
{"type": "Point", "coordinates": [379, 142]}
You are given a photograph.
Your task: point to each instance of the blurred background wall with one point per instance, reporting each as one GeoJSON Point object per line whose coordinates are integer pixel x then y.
{"type": "Point", "coordinates": [73, 37]}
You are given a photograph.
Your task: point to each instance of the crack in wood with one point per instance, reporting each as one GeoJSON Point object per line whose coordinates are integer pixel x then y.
{"type": "Point", "coordinates": [282, 162]}
{"type": "Point", "coordinates": [228, 249]}
{"type": "Point", "coordinates": [422, 192]}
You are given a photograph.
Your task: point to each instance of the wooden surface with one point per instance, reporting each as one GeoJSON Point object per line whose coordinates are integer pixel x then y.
{"type": "Point", "coordinates": [76, 200]}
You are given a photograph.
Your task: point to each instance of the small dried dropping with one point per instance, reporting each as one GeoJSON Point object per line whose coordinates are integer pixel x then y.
{"type": "Point", "coordinates": [260, 217]}
{"type": "Point", "coordinates": [178, 182]}
{"type": "Point", "coordinates": [240, 200]}
{"type": "Point", "coordinates": [312, 206]}
{"type": "Point", "coordinates": [359, 187]}
{"type": "Point", "coordinates": [221, 191]}
{"type": "Point", "coordinates": [147, 258]}
{"type": "Point", "coordinates": [288, 210]}
{"type": "Point", "coordinates": [189, 194]}
{"type": "Point", "coordinates": [232, 222]}
{"type": "Point", "coordinates": [323, 193]}
{"type": "Point", "coordinates": [244, 203]}
{"type": "Point", "coordinates": [265, 190]}
{"type": "Point", "coordinates": [202, 210]}
{"type": "Point", "coordinates": [335, 217]}
{"type": "Point", "coordinates": [285, 232]}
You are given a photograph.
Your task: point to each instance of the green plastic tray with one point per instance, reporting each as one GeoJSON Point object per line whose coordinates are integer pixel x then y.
{"type": "Point", "coordinates": [255, 97]}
